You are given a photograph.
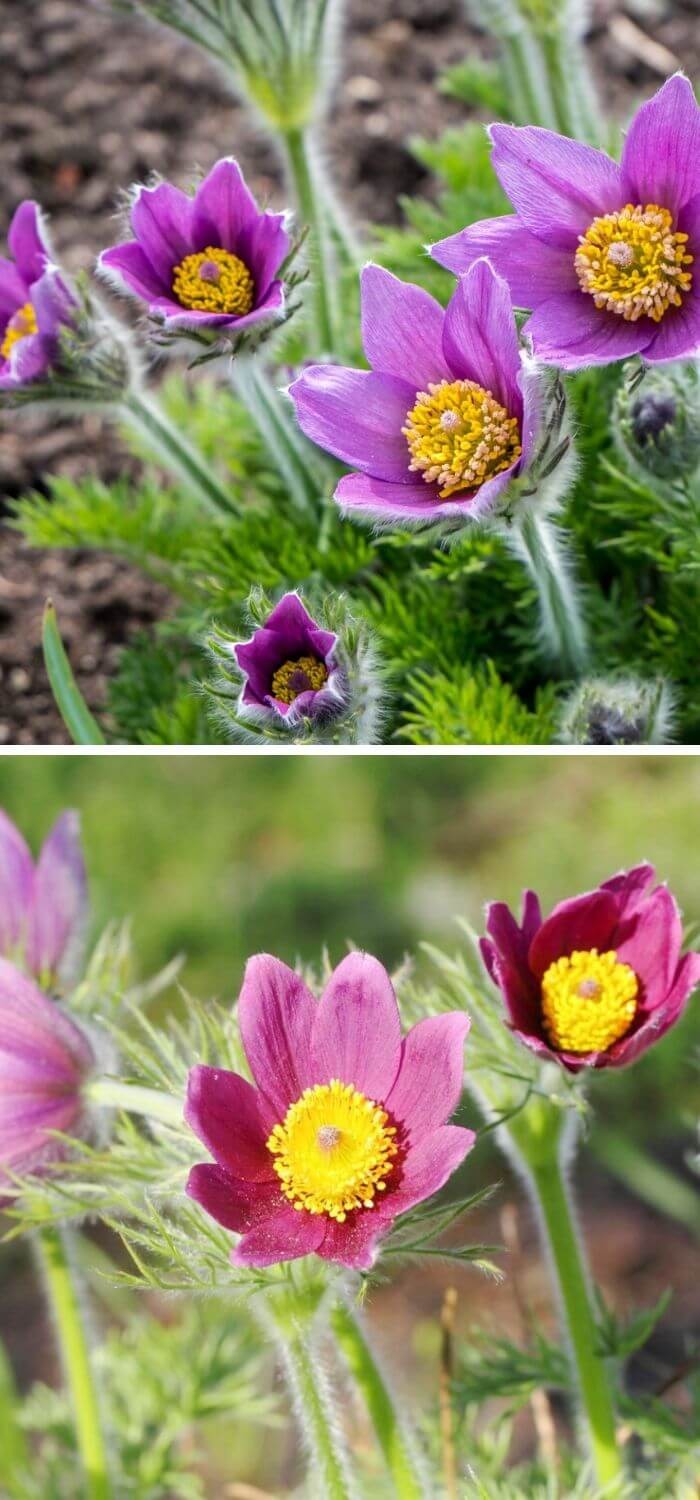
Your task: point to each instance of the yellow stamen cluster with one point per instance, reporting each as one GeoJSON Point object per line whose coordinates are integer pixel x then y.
{"type": "Point", "coordinates": [214, 281]}
{"type": "Point", "coordinates": [633, 262]}
{"type": "Point", "coordinates": [21, 325]}
{"type": "Point", "coordinates": [460, 435]}
{"type": "Point", "coordinates": [589, 1001]}
{"type": "Point", "coordinates": [304, 675]}
{"type": "Point", "coordinates": [333, 1151]}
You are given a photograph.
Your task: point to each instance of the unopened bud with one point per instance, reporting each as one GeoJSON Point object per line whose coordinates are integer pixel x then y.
{"type": "Point", "coordinates": [605, 711]}
{"type": "Point", "coordinates": [657, 424]}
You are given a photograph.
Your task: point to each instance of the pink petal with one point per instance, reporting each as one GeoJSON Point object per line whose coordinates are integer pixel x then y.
{"type": "Point", "coordinates": [235, 1204]}
{"type": "Point", "coordinates": [355, 1242]}
{"type": "Point", "coordinates": [358, 416]}
{"type": "Point", "coordinates": [480, 339]}
{"type": "Point", "coordinates": [661, 158]}
{"type": "Point", "coordinates": [401, 329]}
{"type": "Point", "coordinates": [59, 909]}
{"type": "Point", "coordinates": [229, 1116]}
{"type": "Point", "coordinates": [276, 1014]}
{"type": "Point", "coordinates": [429, 1084]}
{"type": "Point", "coordinates": [629, 887]}
{"type": "Point", "coordinates": [628, 1049]}
{"type": "Point", "coordinates": [415, 503]}
{"type": "Point", "coordinates": [16, 877]}
{"type": "Point", "coordinates": [533, 269]}
{"type": "Point", "coordinates": [650, 942]}
{"type": "Point", "coordinates": [428, 1166]}
{"type": "Point", "coordinates": [286, 1235]}
{"type": "Point", "coordinates": [357, 1032]}
{"type": "Point", "coordinates": [586, 921]}
{"type": "Point", "coordinates": [556, 185]}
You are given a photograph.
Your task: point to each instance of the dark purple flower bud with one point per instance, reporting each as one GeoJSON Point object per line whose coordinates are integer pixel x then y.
{"type": "Point", "coordinates": [290, 666]}
{"type": "Point", "coordinates": [34, 302]}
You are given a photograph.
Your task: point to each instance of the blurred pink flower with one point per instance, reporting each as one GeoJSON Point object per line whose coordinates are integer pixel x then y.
{"type": "Point", "coordinates": [43, 906]}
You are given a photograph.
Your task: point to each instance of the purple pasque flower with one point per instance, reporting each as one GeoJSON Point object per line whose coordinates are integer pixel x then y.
{"type": "Point", "coordinates": [345, 1124]}
{"type": "Point", "coordinates": [600, 979]}
{"type": "Point", "coordinates": [290, 666]}
{"type": "Point", "coordinates": [43, 906]}
{"type": "Point", "coordinates": [44, 1059]}
{"type": "Point", "coordinates": [443, 420]}
{"type": "Point", "coordinates": [210, 261]}
{"type": "Point", "coordinates": [34, 301]}
{"type": "Point", "coordinates": [604, 255]}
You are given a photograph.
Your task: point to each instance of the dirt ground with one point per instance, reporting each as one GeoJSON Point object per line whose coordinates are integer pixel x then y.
{"type": "Point", "coordinates": [93, 101]}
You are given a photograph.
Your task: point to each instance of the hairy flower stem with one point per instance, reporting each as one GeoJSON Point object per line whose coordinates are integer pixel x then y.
{"type": "Point", "coordinates": [402, 1459]}
{"type": "Point", "coordinates": [571, 92]}
{"type": "Point", "coordinates": [176, 453]}
{"type": "Point", "coordinates": [273, 416]}
{"type": "Point", "coordinates": [538, 1133]}
{"type": "Point", "coordinates": [540, 547]}
{"type": "Point", "coordinates": [55, 1260]}
{"type": "Point", "coordinates": [288, 1318]}
{"type": "Point", "coordinates": [111, 1093]}
{"type": "Point", "coordinates": [302, 164]}
{"type": "Point", "coordinates": [527, 80]}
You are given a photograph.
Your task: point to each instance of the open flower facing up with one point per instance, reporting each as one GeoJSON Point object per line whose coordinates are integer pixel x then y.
{"type": "Point", "coordinates": [605, 255]}
{"type": "Point", "coordinates": [600, 979]}
{"type": "Point", "coordinates": [43, 906]}
{"type": "Point", "coordinates": [210, 261]}
{"type": "Point", "coordinates": [34, 302]}
{"type": "Point", "coordinates": [443, 420]}
{"type": "Point", "coordinates": [44, 1059]}
{"type": "Point", "coordinates": [290, 666]}
{"type": "Point", "coordinates": [345, 1127]}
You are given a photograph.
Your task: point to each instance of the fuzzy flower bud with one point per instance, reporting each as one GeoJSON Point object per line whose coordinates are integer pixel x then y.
{"type": "Point", "coordinates": [297, 678]}
{"type": "Point", "coordinates": [657, 423]}
{"type": "Point", "coordinates": [603, 711]}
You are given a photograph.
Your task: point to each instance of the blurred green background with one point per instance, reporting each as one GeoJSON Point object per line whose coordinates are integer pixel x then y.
{"type": "Point", "coordinates": [218, 857]}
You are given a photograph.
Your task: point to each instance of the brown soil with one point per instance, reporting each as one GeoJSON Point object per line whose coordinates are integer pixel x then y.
{"type": "Point", "coordinates": [94, 101]}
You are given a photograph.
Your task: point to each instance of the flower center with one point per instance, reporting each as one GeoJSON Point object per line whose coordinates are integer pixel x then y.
{"type": "Point", "coordinates": [21, 325]}
{"type": "Point", "coordinates": [459, 435]}
{"type": "Point", "coordinates": [214, 281]}
{"type": "Point", "coordinates": [633, 262]}
{"type": "Point", "coordinates": [589, 1001]}
{"type": "Point", "coordinates": [333, 1151]}
{"type": "Point", "coordinates": [304, 674]}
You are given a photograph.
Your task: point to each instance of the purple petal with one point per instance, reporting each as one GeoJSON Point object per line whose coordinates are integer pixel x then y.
{"type": "Point", "coordinates": [557, 185]}
{"type": "Point", "coordinates": [260, 657]}
{"type": "Point", "coordinates": [291, 619]}
{"type": "Point", "coordinates": [58, 915]}
{"type": "Point", "coordinates": [231, 1119]}
{"type": "Point", "coordinates": [177, 316]}
{"type": "Point", "coordinates": [26, 238]}
{"type": "Point", "coordinates": [235, 1204]}
{"type": "Point", "coordinates": [355, 1242]}
{"type": "Point", "coordinates": [128, 268]}
{"type": "Point", "coordinates": [35, 1035]}
{"type": "Point", "coordinates": [16, 878]}
{"type": "Point", "coordinates": [52, 302]}
{"type": "Point", "coordinates": [532, 269]}
{"type": "Point", "coordinates": [29, 359]}
{"type": "Point", "coordinates": [286, 1235]}
{"type": "Point", "coordinates": [414, 503]}
{"type": "Point", "coordinates": [429, 1084]}
{"type": "Point", "coordinates": [650, 942]}
{"type": "Point", "coordinates": [401, 329]}
{"type": "Point", "coordinates": [223, 208]}
{"type": "Point", "coordinates": [629, 887]}
{"type": "Point", "coordinates": [677, 336]}
{"type": "Point", "coordinates": [628, 1049]}
{"type": "Point", "coordinates": [661, 158]}
{"type": "Point", "coordinates": [570, 331]}
{"type": "Point", "coordinates": [586, 921]}
{"type": "Point", "coordinates": [357, 1033]}
{"type": "Point", "coordinates": [14, 292]}
{"type": "Point", "coordinates": [480, 339]}
{"type": "Point", "coordinates": [429, 1164]}
{"type": "Point", "coordinates": [161, 219]}
{"type": "Point", "coordinates": [358, 416]}
{"type": "Point", "coordinates": [276, 1015]}
{"type": "Point", "coordinates": [264, 245]}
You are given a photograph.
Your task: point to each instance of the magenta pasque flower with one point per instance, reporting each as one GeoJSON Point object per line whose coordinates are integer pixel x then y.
{"type": "Point", "coordinates": [600, 979]}
{"type": "Point", "coordinates": [210, 261]}
{"type": "Point", "coordinates": [290, 666]}
{"type": "Point", "coordinates": [44, 1059]}
{"type": "Point", "coordinates": [43, 906]}
{"type": "Point", "coordinates": [605, 255]}
{"type": "Point", "coordinates": [443, 420]}
{"type": "Point", "coordinates": [344, 1127]}
{"type": "Point", "coordinates": [34, 301]}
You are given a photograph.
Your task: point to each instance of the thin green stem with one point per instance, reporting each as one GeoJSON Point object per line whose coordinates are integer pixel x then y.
{"type": "Point", "coordinates": [273, 416]}
{"type": "Point", "coordinates": [566, 69]}
{"type": "Point", "coordinates": [289, 1320]}
{"type": "Point", "coordinates": [111, 1093]}
{"type": "Point", "coordinates": [58, 1276]}
{"type": "Point", "coordinates": [402, 1459]}
{"type": "Point", "coordinates": [527, 80]}
{"type": "Point", "coordinates": [303, 171]}
{"type": "Point", "coordinates": [176, 453]}
{"type": "Point", "coordinates": [540, 546]}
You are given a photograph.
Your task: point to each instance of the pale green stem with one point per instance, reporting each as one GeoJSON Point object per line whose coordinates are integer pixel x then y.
{"type": "Point", "coordinates": [313, 1400]}
{"type": "Point", "coordinates": [402, 1459]}
{"type": "Point", "coordinates": [537, 1133]}
{"type": "Point", "coordinates": [540, 547]}
{"type": "Point", "coordinates": [273, 415]}
{"type": "Point", "coordinates": [567, 71]}
{"type": "Point", "coordinates": [55, 1261]}
{"type": "Point", "coordinates": [527, 80]}
{"type": "Point", "coordinates": [304, 174]}
{"type": "Point", "coordinates": [176, 454]}
{"type": "Point", "coordinates": [111, 1093]}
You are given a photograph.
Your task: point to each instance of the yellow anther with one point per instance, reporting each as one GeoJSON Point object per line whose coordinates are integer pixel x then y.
{"type": "Point", "coordinates": [334, 1150]}
{"type": "Point", "coordinates": [21, 325]}
{"type": "Point", "coordinates": [303, 675]}
{"type": "Point", "coordinates": [633, 263]}
{"type": "Point", "coordinates": [459, 435]}
{"type": "Point", "coordinates": [589, 1000]}
{"type": "Point", "coordinates": [214, 281]}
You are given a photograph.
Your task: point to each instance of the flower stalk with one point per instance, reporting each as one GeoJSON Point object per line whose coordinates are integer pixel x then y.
{"type": "Point", "coordinates": [272, 416]}
{"type": "Point", "coordinates": [135, 1099]}
{"type": "Point", "coordinates": [302, 166]}
{"type": "Point", "coordinates": [175, 453]}
{"type": "Point", "coordinates": [54, 1254]}
{"type": "Point", "coordinates": [539, 545]}
{"type": "Point", "coordinates": [402, 1459]}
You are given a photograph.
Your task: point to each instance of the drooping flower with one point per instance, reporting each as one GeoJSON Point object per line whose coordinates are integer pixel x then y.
{"type": "Point", "coordinates": [345, 1126]}
{"type": "Point", "coordinates": [604, 255]}
{"type": "Point", "coordinates": [443, 420]}
{"type": "Point", "coordinates": [34, 301]}
{"type": "Point", "coordinates": [600, 979]}
{"type": "Point", "coordinates": [43, 906]}
{"type": "Point", "coordinates": [290, 666]}
{"type": "Point", "coordinates": [208, 261]}
{"type": "Point", "coordinates": [44, 1059]}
